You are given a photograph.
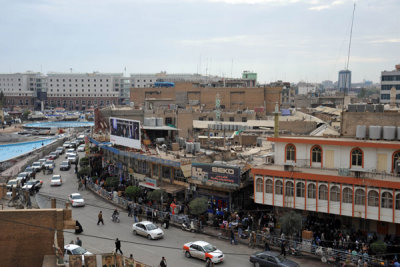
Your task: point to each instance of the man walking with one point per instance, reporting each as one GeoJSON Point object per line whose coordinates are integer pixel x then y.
{"type": "Point", "coordinates": [118, 246]}
{"type": "Point", "coordinates": [163, 262]}
{"type": "Point", "coordinates": [283, 249]}
{"type": "Point", "coordinates": [78, 242]}
{"type": "Point", "coordinates": [167, 218]}
{"type": "Point", "coordinates": [100, 216]}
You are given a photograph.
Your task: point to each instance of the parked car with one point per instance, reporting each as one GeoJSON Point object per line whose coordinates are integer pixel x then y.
{"type": "Point", "coordinates": [67, 144]}
{"type": "Point", "coordinates": [73, 159]}
{"type": "Point", "coordinates": [56, 180]}
{"type": "Point", "coordinates": [65, 165]}
{"type": "Point", "coordinates": [70, 151]}
{"type": "Point", "coordinates": [204, 251]}
{"type": "Point", "coordinates": [23, 176]}
{"type": "Point", "coordinates": [49, 164]}
{"type": "Point", "coordinates": [37, 166]}
{"type": "Point", "coordinates": [81, 148]}
{"type": "Point", "coordinates": [42, 162]}
{"type": "Point", "coordinates": [72, 249]}
{"type": "Point", "coordinates": [74, 143]}
{"type": "Point", "coordinates": [76, 200]}
{"type": "Point", "coordinates": [30, 171]}
{"type": "Point", "coordinates": [53, 155]}
{"type": "Point", "coordinates": [271, 258]}
{"type": "Point", "coordinates": [12, 183]}
{"type": "Point", "coordinates": [61, 150]}
{"type": "Point", "coordinates": [147, 229]}
{"type": "Point", "coordinates": [33, 185]}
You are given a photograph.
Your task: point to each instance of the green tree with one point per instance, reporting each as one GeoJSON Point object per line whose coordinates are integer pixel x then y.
{"type": "Point", "coordinates": [198, 205]}
{"type": "Point", "coordinates": [290, 223]}
{"type": "Point", "coordinates": [132, 192]}
{"type": "Point", "coordinates": [84, 162]}
{"type": "Point", "coordinates": [84, 171]}
{"type": "Point", "coordinates": [155, 195]}
{"type": "Point", "coordinates": [112, 182]}
{"type": "Point", "coordinates": [378, 247]}
{"type": "Point", "coordinates": [25, 114]}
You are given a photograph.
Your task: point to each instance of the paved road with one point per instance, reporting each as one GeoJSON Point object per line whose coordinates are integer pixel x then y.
{"type": "Point", "coordinates": [100, 239]}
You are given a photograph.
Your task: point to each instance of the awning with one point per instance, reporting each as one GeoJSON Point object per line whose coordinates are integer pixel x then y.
{"type": "Point", "coordinates": [172, 188]}
{"type": "Point", "coordinates": [148, 186]}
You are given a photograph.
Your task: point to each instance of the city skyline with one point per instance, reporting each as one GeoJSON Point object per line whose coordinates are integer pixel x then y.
{"type": "Point", "coordinates": [217, 37]}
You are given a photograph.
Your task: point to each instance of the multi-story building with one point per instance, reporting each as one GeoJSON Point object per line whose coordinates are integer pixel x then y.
{"type": "Point", "coordinates": [304, 88]}
{"type": "Point", "coordinates": [344, 81]}
{"type": "Point", "coordinates": [23, 89]}
{"type": "Point", "coordinates": [389, 80]}
{"type": "Point", "coordinates": [142, 80]}
{"type": "Point", "coordinates": [79, 91]}
{"type": "Point", "coordinates": [355, 181]}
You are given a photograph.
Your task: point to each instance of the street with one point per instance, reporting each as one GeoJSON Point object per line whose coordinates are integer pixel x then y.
{"type": "Point", "coordinates": [100, 239]}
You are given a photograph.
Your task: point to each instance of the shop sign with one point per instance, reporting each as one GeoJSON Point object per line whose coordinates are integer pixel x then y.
{"type": "Point", "coordinates": [216, 173]}
{"type": "Point", "coordinates": [151, 181]}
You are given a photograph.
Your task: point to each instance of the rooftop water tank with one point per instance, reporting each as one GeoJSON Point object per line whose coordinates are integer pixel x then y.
{"type": "Point", "coordinates": [389, 132]}
{"type": "Point", "coordinates": [196, 146]}
{"type": "Point", "coordinates": [379, 108]}
{"type": "Point", "coordinates": [351, 108]}
{"type": "Point", "coordinates": [375, 132]}
{"type": "Point", "coordinates": [160, 122]}
{"type": "Point", "coordinates": [370, 108]}
{"type": "Point", "coordinates": [361, 107]}
{"type": "Point", "coordinates": [189, 147]}
{"type": "Point", "coordinates": [259, 141]}
{"type": "Point", "coordinates": [361, 132]}
{"type": "Point", "coordinates": [151, 122]}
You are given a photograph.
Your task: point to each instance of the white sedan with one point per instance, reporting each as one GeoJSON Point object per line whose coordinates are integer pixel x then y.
{"type": "Point", "coordinates": [204, 251]}
{"type": "Point", "coordinates": [72, 249]}
{"type": "Point", "coordinates": [147, 229]}
{"type": "Point", "coordinates": [56, 180]}
{"type": "Point", "coordinates": [76, 200]}
{"type": "Point", "coordinates": [81, 148]}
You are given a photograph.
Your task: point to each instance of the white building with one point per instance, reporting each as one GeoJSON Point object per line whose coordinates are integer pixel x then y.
{"type": "Point", "coordinates": [141, 80]}
{"type": "Point", "coordinates": [389, 80]}
{"type": "Point", "coordinates": [304, 88]}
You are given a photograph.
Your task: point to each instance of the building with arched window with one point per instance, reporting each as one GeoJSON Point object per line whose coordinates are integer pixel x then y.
{"type": "Point", "coordinates": [354, 180]}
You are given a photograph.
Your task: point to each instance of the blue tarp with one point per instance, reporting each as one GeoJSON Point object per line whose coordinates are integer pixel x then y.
{"type": "Point", "coordinates": [285, 112]}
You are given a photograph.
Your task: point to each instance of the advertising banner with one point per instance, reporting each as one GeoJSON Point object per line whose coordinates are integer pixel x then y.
{"type": "Point", "coordinates": [217, 173]}
{"type": "Point", "coordinates": [125, 132]}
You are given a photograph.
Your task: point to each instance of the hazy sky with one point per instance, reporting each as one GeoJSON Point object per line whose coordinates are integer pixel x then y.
{"type": "Point", "coordinates": [288, 40]}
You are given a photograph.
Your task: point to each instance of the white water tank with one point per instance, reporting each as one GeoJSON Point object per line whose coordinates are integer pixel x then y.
{"type": "Point", "coordinates": [361, 132]}
{"type": "Point", "coordinates": [189, 147]}
{"type": "Point", "coordinates": [375, 132]}
{"type": "Point", "coordinates": [389, 132]}
{"type": "Point", "coordinates": [196, 146]}
{"type": "Point", "coordinates": [160, 121]}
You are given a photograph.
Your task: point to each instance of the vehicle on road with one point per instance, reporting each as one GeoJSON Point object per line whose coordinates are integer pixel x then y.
{"type": "Point", "coordinates": [70, 151]}
{"type": "Point", "coordinates": [271, 258]}
{"type": "Point", "coordinates": [12, 183]}
{"type": "Point", "coordinates": [81, 148]}
{"type": "Point", "coordinates": [49, 164]}
{"type": "Point", "coordinates": [37, 166]}
{"type": "Point", "coordinates": [65, 165]}
{"type": "Point", "coordinates": [56, 180]}
{"type": "Point", "coordinates": [60, 150]}
{"type": "Point", "coordinates": [33, 185]}
{"type": "Point", "coordinates": [53, 155]}
{"type": "Point", "coordinates": [30, 171]}
{"type": "Point", "coordinates": [147, 229]}
{"type": "Point", "coordinates": [204, 251]}
{"type": "Point", "coordinates": [23, 176]}
{"type": "Point", "coordinates": [42, 162]}
{"type": "Point", "coordinates": [72, 249]}
{"type": "Point", "coordinates": [67, 144]}
{"type": "Point", "coordinates": [188, 226]}
{"type": "Point", "coordinates": [76, 200]}
{"type": "Point", "coordinates": [73, 159]}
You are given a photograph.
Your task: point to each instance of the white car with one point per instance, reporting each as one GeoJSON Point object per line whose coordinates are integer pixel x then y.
{"type": "Point", "coordinates": [56, 180]}
{"type": "Point", "coordinates": [70, 152]}
{"type": "Point", "coordinates": [147, 229]}
{"type": "Point", "coordinates": [76, 200]}
{"type": "Point", "coordinates": [33, 184]}
{"type": "Point", "coordinates": [49, 164]}
{"type": "Point", "coordinates": [72, 159]}
{"type": "Point", "coordinates": [204, 251]}
{"type": "Point", "coordinates": [12, 183]}
{"type": "Point", "coordinates": [81, 148]}
{"type": "Point", "coordinates": [72, 249]}
{"type": "Point", "coordinates": [37, 166]}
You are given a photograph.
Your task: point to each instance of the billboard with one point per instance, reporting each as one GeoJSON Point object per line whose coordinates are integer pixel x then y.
{"type": "Point", "coordinates": [217, 173]}
{"type": "Point", "coordinates": [125, 132]}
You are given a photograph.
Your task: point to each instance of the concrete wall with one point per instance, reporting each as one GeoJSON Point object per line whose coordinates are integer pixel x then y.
{"type": "Point", "coordinates": [297, 127]}
{"type": "Point", "coordinates": [24, 244]}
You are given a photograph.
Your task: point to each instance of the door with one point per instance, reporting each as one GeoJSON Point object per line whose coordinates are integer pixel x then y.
{"type": "Point", "coordinates": [382, 162]}
{"type": "Point", "coordinates": [194, 251]}
{"type": "Point", "coordinates": [329, 159]}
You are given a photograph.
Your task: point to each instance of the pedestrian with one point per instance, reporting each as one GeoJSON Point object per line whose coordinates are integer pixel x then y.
{"type": "Point", "coordinates": [135, 214]}
{"type": "Point", "coordinates": [100, 216]}
{"type": "Point", "coordinates": [129, 207]}
{"type": "Point", "coordinates": [233, 240]}
{"type": "Point", "coordinates": [118, 246]}
{"type": "Point", "coordinates": [166, 220]}
{"type": "Point", "coordinates": [155, 216]}
{"type": "Point", "coordinates": [78, 242]}
{"type": "Point", "coordinates": [283, 249]}
{"type": "Point", "coordinates": [76, 168]}
{"type": "Point", "coordinates": [266, 246]}
{"type": "Point", "coordinates": [209, 263]}
{"type": "Point", "coordinates": [163, 262]}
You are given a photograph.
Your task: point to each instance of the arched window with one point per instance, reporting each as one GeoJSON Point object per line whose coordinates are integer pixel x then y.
{"type": "Point", "coordinates": [289, 189]}
{"type": "Point", "coordinates": [311, 191]}
{"type": "Point", "coordinates": [300, 189]}
{"type": "Point", "coordinates": [290, 152]}
{"type": "Point", "coordinates": [278, 187]}
{"type": "Point", "coordinates": [259, 185]}
{"type": "Point", "coordinates": [356, 157]}
{"type": "Point", "coordinates": [373, 198]}
{"type": "Point", "coordinates": [335, 193]}
{"type": "Point", "coordinates": [347, 195]}
{"type": "Point", "coordinates": [268, 186]}
{"type": "Point", "coordinates": [396, 158]}
{"type": "Point", "coordinates": [316, 154]}
{"type": "Point", "coordinates": [359, 197]}
{"type": "Point", "coordinates": [387, 200]}
{"type": "Point", "coordinates": [398, 202]}
{"type": "Point", "coordinates": [323, 192]}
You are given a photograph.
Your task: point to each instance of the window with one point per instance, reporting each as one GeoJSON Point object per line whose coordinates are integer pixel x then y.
{"type": "Point", "coordinates": [323, 192]}
{"type": "Point", "coordinates": [335, 193]}
{"type": "Point", "coordinates": [387, 200]}
{"type": "Point", "coordinates": [300, 189]}
{"type": "Point", "coordinates": [359, 197]}
{"type": "Point", "coordinates": [311, 188]}
{"type": "Point", "coordinates": [356, 157]}
{"type": "Point", "coordinates": [398, 202]}
{"type": "Point", "coordinates": [373, 198]}
{"type": "Point", "coordinates": [316, 154]}
{"type": "Point", "coordinates": [231, 119]}
{"type": "Point", "coordinates": [289, 189]}
{"type": "Point", "coordinates": [396, 159]}
{"type": "Point", "coordinates": [278, 187]}
{"type": "Point", "coordinates": [290, 152]}
{"type": "Point", "coordinates": [268, 186]}
{"type": "Point", "coordinates": [259, 185]}
{"type": "Point", "coordinates": [347, 195]}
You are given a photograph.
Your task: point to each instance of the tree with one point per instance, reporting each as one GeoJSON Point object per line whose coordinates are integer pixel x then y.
{"type": "Point", "coordinates": [112, 182]}
{"type": "Point", "coordinates": [198, 205]}
{"type": "Point", "coordinates": [290, 223]}
{"type": "Point", "coordinates": [132, 192]}
{"type": "Point", "coordinates": [378, 247]}
{"type": "Point", "coordinates": [155, 195]}
{"type": "Point", "coordinates": [25, 115]}
{"type": "Point", "coordinates": [83, 162]}
{"type": "Point", "coordinates": [85, 171]}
